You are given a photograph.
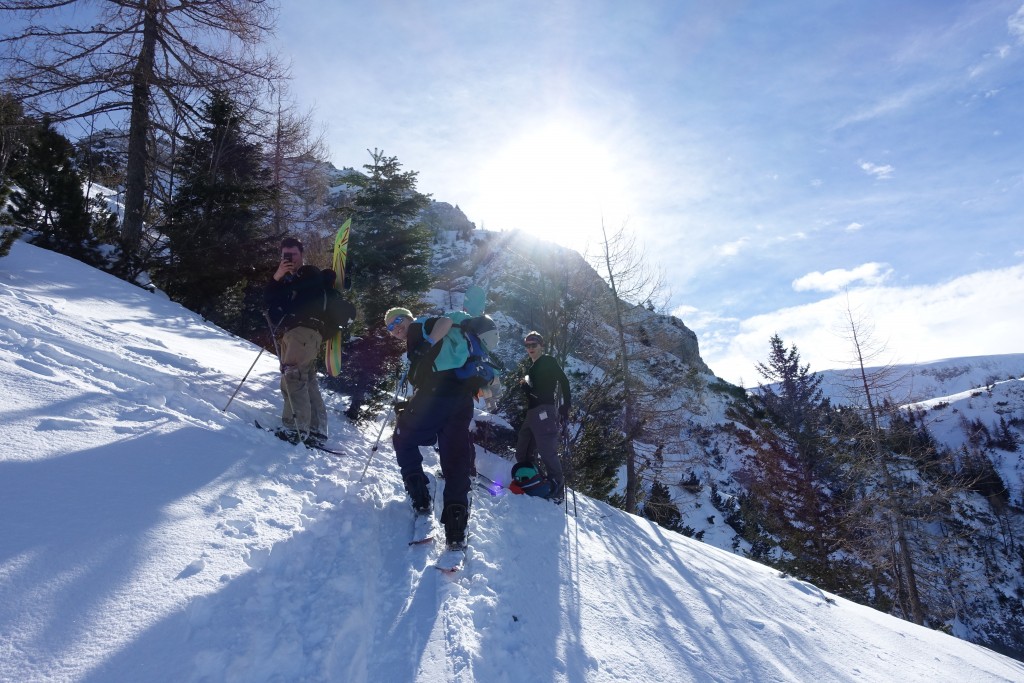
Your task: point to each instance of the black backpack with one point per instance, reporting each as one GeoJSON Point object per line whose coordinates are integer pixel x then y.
{"type": "Point", "coordinates": [338, 311]}
{"type": "Point", "coordinates": [480, 369]}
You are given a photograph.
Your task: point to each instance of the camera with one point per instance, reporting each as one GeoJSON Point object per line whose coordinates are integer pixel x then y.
{"type": "Point", "coordinates": [287, 258]}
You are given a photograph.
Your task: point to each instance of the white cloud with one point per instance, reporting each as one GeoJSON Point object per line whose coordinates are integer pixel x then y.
{"type": "Point", "coordinates": [1016, 25]}
{"type": "Point", "coordinates": [793, 236]}
{"type": "Point", "coordinates": [733, 248]}
{"type": "Point", "coordinates": [837, 279]}
{"type": "Point", "coordinates": [879, 172]}
{"type": "Point", "coordinates": [894, 103]}
{"type": "Point", "coordinates": [854, 227]}
{"type": "Point", "coordinates": [972, 315]}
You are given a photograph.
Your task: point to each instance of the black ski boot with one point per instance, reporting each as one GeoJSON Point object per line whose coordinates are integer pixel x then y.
{"type": "Point", "coordinates": [455, 517]}
{"type": "Point", "coordinates": [417, 486]}
{"type": "Point", "coordinates": [288, 434]}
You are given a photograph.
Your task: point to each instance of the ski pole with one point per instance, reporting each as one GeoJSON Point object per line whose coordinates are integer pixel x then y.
{"type": "Point", "coordinates": [572, 471]}
{"type": "Point", "coordinates": [273, 333]}
{"type": "Point", "coordinates": [387, 420]}
{"type": "Point", "coordinates": [266, 314]}
{"type": "Point", "coordinates": [225, 408]}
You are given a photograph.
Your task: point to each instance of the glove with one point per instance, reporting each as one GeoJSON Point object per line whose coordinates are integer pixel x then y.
{"type": "Point", "coordinates": [563, 412]}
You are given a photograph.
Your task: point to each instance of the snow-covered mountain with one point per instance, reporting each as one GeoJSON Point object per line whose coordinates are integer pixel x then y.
{"type": "Point", "coordinates": [924, 381]}
{"type": "Point", "coordinates": [961, 399]}
{"type": "Point", "coordinates": [692, 444]}
{"type": "Point", "coordinates": [148, 535]}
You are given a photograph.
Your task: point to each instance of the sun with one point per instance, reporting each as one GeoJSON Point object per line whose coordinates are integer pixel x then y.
{"type": "Point", "coordinates": [554, 181]}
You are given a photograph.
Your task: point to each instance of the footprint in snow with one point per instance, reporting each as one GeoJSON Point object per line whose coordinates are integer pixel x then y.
{"type": "Point", "coordinates": [58, 424]}
{"type": "Point", "coordinates": [37, 368]}
{"type": "Point", "coordinates": [239, 528]}
{"type": "Point", "coordinates": [227, 502]}
{"type": "Point", "coordinates": [192, 569]}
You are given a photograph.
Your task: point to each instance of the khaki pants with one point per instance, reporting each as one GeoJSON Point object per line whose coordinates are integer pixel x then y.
{"type": "Point", "coordinates": [303, 405]}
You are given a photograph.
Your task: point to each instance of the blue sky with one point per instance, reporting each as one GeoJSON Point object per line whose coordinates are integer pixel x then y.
{"type": "Point", "coordinates": [780, 161]}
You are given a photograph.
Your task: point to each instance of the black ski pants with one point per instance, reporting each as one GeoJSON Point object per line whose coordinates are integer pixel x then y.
{"type": "Point", "coordinates": [442, 419]}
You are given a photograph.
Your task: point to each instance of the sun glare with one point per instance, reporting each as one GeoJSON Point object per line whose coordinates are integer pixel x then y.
{"type": "Point", "coordinates": [553, 181]}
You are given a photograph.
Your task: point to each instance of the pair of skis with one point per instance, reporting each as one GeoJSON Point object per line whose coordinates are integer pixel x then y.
{"type": "Point", "coordinates": [284, 436]}
{"type": "Point", "coordinates": [425, 528]}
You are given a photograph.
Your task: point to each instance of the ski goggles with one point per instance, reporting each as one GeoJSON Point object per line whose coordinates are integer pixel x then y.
{"type": "Point", "coordinates": [399, 319]}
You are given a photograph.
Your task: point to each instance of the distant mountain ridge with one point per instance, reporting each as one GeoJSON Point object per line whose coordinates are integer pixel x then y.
{"type": "Point", "coordinates": [912, 383]}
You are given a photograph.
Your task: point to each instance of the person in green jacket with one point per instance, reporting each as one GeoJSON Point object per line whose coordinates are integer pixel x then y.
{"type": "Point", "coordinates": [539, 433]}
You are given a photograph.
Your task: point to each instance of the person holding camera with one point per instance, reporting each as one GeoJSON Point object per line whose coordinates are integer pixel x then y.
{"type": "Point", "coordinates": [295, 300]}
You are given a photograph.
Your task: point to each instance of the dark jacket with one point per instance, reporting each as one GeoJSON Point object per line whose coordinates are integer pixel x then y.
{"type": "Point", "coordinates": [544, 377]}
{"type": "Point", "coordinates": [298, 300]}
{"type": "Point", "coordinates": [422, 374]}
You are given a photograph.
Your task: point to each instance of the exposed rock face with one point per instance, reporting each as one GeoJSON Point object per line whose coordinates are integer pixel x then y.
{"type": "Point", "coordinates": [511, 263]}
{"type": "Point", "coordinates": [440, 216]}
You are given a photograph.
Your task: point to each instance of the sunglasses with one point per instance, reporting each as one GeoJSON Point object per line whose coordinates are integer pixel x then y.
{"type": "Point", "coordinates": [395, 323]}
{"type": "Point", "coordinates": [531, 345]}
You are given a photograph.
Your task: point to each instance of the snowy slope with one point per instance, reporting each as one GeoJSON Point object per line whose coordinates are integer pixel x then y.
{"type": "Point", "coordinates": [950, 420]}
{"type": "Point", "coordinates": [146, 535]}
{"type": "Point", "coordinates": [922, 381]}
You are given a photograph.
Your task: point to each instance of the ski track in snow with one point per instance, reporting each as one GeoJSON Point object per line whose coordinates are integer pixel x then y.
{"type": "Point", "coordinates": [146, 535]}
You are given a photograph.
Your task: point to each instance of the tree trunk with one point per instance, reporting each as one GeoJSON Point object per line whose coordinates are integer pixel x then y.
{"type": "Point", "coordinates": [629, 412]}
{"type": "Point", "coordinates": [903, 551]}
{"type": "Point", "coordinates": [138, 131]}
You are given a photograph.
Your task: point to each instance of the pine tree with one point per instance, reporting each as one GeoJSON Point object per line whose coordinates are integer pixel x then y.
{"type": "Point", "coordinates": [389, 244]}
{"type": "Point", "coordinates": [598, 449]}
{"type": "Point", "coordinates": [1004, 436]}
{"type": "Point", "coordinates": [144, 59]}
{"type": "Point", "coordinates": [792, 479]}
{"type": "Point", "coordinates": [49, 200]}
{"type": "Point", "coordinates": [660, 509]}
{"type": "Point", "coordinates": [218, 247]}
{"type": "Point", "coordinates": [390, 250]}
{"type": "Point", "coordinates": [13, 130]}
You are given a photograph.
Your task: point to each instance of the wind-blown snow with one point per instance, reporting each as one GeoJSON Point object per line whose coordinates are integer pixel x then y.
{"type": "Point", "coordinates": [146, 535]}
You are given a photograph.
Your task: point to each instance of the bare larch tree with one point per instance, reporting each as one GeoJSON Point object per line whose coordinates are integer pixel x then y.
{"type": "Point", "coordinates": [150, 61]}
